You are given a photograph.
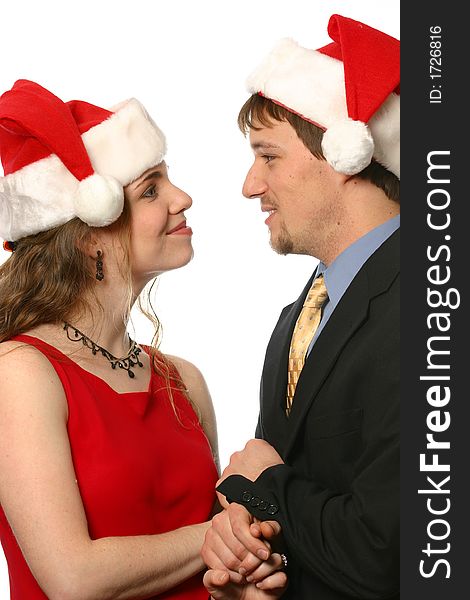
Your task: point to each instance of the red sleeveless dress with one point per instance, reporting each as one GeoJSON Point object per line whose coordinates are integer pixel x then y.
{"type": "Point", "coordinates": [139, 469]}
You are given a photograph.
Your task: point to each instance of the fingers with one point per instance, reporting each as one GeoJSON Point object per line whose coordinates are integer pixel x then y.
{"type": "Point", "coordinates": [222, 500]}
{"type": "Point", "coordinates": [255, 530]}
{"type": "Point", "coordinates": [277, 582]}
{"type": "Point", "coordinates": [222, 542]}
{"type": "Point", "coordinates": [270, 529]}
{"type": "Point", "coordinates": [240, 521]}
{"type": "Point", "coordinates": [230, 542]}
{"type": "Point", "coordinates": [216, 582]}
{"type": "Point", "coordinates": [222, 550]}
{"type": "Point", "coordinates": [236, 542]}
{"type": "Point", "coordinates": [218, 585]}
{"type": "Point", "coordinates": [218, 556]}
{"type": "Point", "coordinates": [273, 564]}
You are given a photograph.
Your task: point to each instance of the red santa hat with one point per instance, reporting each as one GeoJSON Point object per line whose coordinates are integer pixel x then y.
{"type": "Point", "coordinates": [68, 159]}
{"type": "Point", "coordinates": [349, 88]}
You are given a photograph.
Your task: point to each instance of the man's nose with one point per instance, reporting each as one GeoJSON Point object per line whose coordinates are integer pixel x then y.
{"type": "Point", "coordinates": [254, 185]}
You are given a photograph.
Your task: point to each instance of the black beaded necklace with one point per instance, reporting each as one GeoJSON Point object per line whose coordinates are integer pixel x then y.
{"type": "Point", "coordinates": [128, 362]}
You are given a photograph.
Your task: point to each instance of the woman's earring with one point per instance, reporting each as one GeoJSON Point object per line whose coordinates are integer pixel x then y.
{"type": "Point", "coordinates": [99, 266]}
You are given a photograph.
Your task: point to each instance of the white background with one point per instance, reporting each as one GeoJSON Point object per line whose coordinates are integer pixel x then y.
{"type": "Point", "coordinates": [187, 62]}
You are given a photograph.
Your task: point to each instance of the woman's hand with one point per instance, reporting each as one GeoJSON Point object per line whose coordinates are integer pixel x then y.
{"type": "Point", "coordinates": [236, 573]}
{"type": "Point", "coordinates": [220, 587]}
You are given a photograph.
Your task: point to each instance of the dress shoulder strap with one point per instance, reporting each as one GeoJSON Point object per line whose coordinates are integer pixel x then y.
{"type": "Point", "coordinates": [52, 353]}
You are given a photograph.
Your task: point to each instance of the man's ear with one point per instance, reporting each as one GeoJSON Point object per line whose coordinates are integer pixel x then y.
{"type": "Point", "coordinates": [343, 178]}
{"type": "Point", "coordinates": [349, 180]}
{"type": "Point", "coordinates": [339, 178]}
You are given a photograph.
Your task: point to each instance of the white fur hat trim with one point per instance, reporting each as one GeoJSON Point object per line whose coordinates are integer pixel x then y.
{"type": "Point", "coordinates": [312, 85]}
{"type": "Point", "coordinates": [45, 194]}
{"type": "Point", "coordinates": [348, 146]}
{"type": "Point", "coordinates": [99, 200]}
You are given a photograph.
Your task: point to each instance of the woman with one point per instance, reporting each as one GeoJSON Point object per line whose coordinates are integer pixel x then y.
{"type": "Point", "coordinates": [107, 449]}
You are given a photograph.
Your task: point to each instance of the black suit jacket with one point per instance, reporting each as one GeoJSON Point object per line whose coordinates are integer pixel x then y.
{"type": "Point", "coordinates": [337, 495]}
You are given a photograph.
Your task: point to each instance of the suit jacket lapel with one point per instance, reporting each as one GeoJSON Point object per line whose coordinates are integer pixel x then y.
{"type": "Point", "coordinates": [340, 327]}
{"type": "Point", "coordinates": [374, 277]}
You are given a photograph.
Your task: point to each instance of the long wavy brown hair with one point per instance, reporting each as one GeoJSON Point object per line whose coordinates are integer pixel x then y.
{"type": "Point", "coordinates": [48, 280]}
{"type": "Point", "coordinates": [45, 280]}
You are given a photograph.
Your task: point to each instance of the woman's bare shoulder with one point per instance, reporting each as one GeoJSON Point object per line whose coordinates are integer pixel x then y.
{"type": "Point", "coordinates": [22, 364]}
{"type": "Point", "coordinates": [199, 393]}
{"type": "Point", "coordinates": [190, 374]}
{"type": "Point", "coordinates": [13, 351]}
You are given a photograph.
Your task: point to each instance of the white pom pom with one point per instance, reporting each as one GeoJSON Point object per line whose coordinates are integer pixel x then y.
{"type": "Point", "coordinates": [99, 200]}
{"type": "Point", "coordinates": [348, 146]}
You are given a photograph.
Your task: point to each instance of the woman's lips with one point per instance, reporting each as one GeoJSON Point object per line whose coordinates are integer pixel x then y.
{"type": "Point", "coordinates": [180, 229]}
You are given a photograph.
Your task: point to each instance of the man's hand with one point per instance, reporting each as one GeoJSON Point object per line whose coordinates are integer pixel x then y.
{"type": "Point", "coordinates": [250, 462]}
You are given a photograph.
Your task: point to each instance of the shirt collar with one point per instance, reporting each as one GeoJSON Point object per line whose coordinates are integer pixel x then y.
{"type": "Point", "coordinates": [345, 267]}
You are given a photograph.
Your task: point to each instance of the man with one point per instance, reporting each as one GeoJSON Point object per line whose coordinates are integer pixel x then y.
{"type": "Point", "coordinates": [324, 129]}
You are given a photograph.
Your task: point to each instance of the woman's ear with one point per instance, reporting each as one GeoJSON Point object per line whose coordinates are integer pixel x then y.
{"type": "Point", "coordinates": [91, 245]}
{"type": "Point", "coordinates": [93, 250]}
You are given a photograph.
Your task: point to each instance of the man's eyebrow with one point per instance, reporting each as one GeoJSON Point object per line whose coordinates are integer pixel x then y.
{"type": "Point", "coordinates": [264, 146]}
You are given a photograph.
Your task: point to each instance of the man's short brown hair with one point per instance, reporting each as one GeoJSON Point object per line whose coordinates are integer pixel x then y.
{"type": "Point", "coordinates": [260, 110]}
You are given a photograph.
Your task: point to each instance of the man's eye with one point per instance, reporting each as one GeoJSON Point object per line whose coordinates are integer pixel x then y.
{"type": "Point", "coordinates": [268, 158]}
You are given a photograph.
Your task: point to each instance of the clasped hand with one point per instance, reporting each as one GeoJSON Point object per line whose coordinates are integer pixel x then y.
{"type": "Point", "coordinates": [237, 546]}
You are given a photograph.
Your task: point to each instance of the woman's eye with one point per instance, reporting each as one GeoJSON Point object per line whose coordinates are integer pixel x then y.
{"type": "Point", "coordinates": [150, 192]}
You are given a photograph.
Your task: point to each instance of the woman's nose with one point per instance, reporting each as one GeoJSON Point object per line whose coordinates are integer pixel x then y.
{"type": "Point", "coordinates": [181, 201]}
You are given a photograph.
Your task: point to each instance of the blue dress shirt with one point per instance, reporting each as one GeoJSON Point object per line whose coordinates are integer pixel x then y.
{"type": "Point", "coordinates": [345, 267]}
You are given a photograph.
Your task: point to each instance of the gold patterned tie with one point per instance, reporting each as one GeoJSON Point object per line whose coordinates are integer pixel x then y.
{"type": "Point", "coordinates": [307, 324]}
